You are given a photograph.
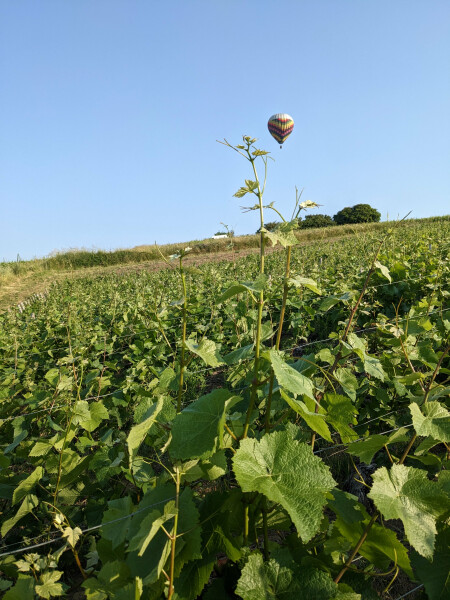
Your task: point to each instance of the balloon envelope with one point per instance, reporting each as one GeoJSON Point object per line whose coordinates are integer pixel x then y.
{"type": "Point", "coordinates": [280, 126]}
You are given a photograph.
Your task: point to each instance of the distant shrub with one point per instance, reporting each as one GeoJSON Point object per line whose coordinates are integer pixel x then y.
{"type": "Point", "coordinates": [360, 213]}
{"type": "Point", "coordinates": [270, 226]}
{"type": "Point", "coordinates": [316, 221]}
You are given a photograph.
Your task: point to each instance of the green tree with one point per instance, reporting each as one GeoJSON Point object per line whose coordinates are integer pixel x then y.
{"type": "Point", "coordinates": [360, 213]}
{"type": "Point", "coordinates": [317, 221]}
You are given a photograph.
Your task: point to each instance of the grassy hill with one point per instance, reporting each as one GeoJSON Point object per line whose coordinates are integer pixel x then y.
{"type": "Point", "coordinates": [21, 279]}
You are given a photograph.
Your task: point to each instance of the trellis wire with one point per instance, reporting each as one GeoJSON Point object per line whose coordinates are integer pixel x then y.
{"type": "Point", "coordinates": [410, 592]}
{"type": "Point", "coordinates": [325, 340]}
{"type": "Point", "coordinates": [360, 439]}
{"type": "Point", "coordinates": [189, 315]}
{"type": "Point", "coordinates": [206, 369]}
{"type": "Point", "coordinates": [83, 531]}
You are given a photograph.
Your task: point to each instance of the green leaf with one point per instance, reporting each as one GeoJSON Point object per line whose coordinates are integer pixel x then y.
{"type": "Point", "coordinates": [287, 473]}
{"type": "Point", "coordinates": [19, 435]}
{"type": "Point", "coordinates": [372, 366]}
{"type": "Point", "coordinates": [341, 413]}
{"type": "Point", "coordinates": [28, 505]}
{"type": "Point", "coordinates": [27, 485]}
{"type": "Point", "coordinates": [384, 270]}
{"type": "Point", "coordinates": [328, 303]}
{"type": "Point", "coordinates": [433, 420]}
{"type": "Point", "coordinates": [239, 354]}
{"type": "Point", "coordinates": [405, 493]}
{"type": "Point", "coordinates": [48, 586]}
{"type": "Point", "coordinates": [266, 581]}
{"type": "Point", "coordinates": [269, 580]}
{"type": "Point", "coordinates": [208, 468]}
{"type": "Point", "coordinates": [381, 546]}
{"type": "Point", "coordinates": [314, 420]}
{"type": "Point", "coordinates": [348, 382]}
{"type": "Point", "coordinates": [52, 376]}
{"type": "Point", "coordinates": [299, 282]}
{"type": "Point", "coordinates": [289, 378]}
{"type": "Point", "coordinates": [207, 351]}
{"type": "Point", "coordinates": [42, 448]}
{"type": "Point", "coordinates": [254, 287]}
{"type": "Point", "coordinates": [4, 584]}
{"type": "Point", "coordinates": [80, 412]}
{"type": "Point", "coordinates": [251, 185]}
{"type": "Point", "coordinates": [282, 234]}
{"type": "Point", "coordinates": [131, 591]}
{"type": "Point", "coordinates": [197, 432]}
{"type": "Point", "coordinates": [22, 590]}
{"type": "Point", "coordinates": [72, 535]}
{"type": "Point", "coordinates": [138, 432]}
{"type": "Point", "coordinates": [149, 565]}
{"type": "Point", "coordinates": [117, 530]}
{"type": "Point", "coordinates": [435, 574]}
{"type": "Point", "coordinates": [150, 527]}
{"type": "Point", "coordinates": [97, 413]}
{"type": "Point", "coordinates": [366, 449]}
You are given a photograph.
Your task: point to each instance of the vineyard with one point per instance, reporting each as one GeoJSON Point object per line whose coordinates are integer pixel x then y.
{"type": "Point", "coordinates": [273, 426]}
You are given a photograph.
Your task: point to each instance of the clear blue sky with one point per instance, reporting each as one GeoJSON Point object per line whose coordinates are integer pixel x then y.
{"type": "Point", "coordinates": [110, 111]}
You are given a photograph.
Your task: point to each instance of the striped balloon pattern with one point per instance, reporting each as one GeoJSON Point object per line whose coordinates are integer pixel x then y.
{"type": "Point", "coordinates": [280, 127]}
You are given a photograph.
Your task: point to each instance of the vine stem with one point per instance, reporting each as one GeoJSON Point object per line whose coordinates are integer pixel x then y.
{"type": "Point", "coordinates": [260, 305]}
{"type": "Point", "coordinates": [361, 541]}
{"type": "Point", "coordinates": [183, 337]}
{"type": "Point", "coordinates": [173, 537]}
{"type": "Point", "coordinates": [279, 332]}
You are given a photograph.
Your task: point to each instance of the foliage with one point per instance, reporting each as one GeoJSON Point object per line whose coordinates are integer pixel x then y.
{"type": "Point", "coordinates": [317, 220]}
{"type": "Point", "coordinates": [360, 213]}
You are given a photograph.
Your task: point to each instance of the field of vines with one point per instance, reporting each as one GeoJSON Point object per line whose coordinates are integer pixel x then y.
{"type": "Point", "coordinates": [269, 427]}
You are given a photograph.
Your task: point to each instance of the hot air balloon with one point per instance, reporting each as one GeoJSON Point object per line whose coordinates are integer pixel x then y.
{"type": "Point", "coordinates": [280, 127]}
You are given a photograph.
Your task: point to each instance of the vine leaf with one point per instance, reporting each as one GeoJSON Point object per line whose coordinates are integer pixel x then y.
{"type": "Point", "coordinates": [97, 413]}
{"type": "Point", "coordinates": [341, 412]}
{"type": "Point", "coordinates": [433, 420]}
{"type": "Point", "coordinates": [27, 485]}
{"type": "Point", "coordinates": [22, 590]}
{"type": "Point", "coordinates": [348, 382]}
{"type": "Point", "coordinates": [207, 351]}
{"type": "Point", "coordinates": [366, 449]}
{"type": "Point", "coordinates": [315, 421]}
{"type": "Point", "coordinates": [283, 234]}
{"type": "Point", "coordinates": [150, 527]}
{"type": "Point", "coordinates": [405, 493]}
{"type": "Point", "coordinates": [253, 287]}
{"type": "Point", "coordinates": [289, 378]}
{"type": "Point", "coordinates": [269, 580]}
{"type": "Point", "coordinates": [138, 432]}
{"type": "Point", "coordinates": [29, 503]}
{"type": "Point", "coordinates": [266, 581]}
{"type": "Point", "coordinates": [381, 546]}
{"type": "Point", "coordinates": [148, 563]}
{"type": "Point", "coordinates": [298, 282]}
{"type": "Point", "coordinates": [435, 575]}
{"type": "Point", "coordinates": [198, 430]}
{"type": "Point", "coordinates": [286, 472]}
{"type": "Point", "coordinates": [116, 531]}
{"type": "Point", "coordinates": [49, 585]}
{"type": "Point", "coordinates": [384, 270]}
